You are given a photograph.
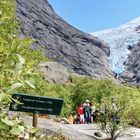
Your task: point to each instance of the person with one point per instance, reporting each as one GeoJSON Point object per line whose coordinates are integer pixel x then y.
{"type": "Point", "coordinates": [77, 118]}
{"type": "Point", "coordinates": [96, 115]}
{"type": "Point", "coordinates": [92, 111]}
{"type": "Point", "coordinates": [102, 107]}
{"type": "Point", "coordinates": [114, 106]}
{"type": "Point", "coordinates": [70, 119]}
{"type": "Point", "coordinates": [80, 111]}
{"type": "Point", "coordinates": [87, 112]}
{"type": "Point", "coordinates": [114, 115]}
{"type": "Point", "coordinates": [102, 111]}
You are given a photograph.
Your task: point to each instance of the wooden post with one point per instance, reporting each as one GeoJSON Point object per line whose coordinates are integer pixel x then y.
{"type": "Point", "coordinates": [35, 120]}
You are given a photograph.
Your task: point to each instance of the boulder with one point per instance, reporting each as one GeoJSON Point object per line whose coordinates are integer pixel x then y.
{"type": "Point", "coordinates": [54, 72]}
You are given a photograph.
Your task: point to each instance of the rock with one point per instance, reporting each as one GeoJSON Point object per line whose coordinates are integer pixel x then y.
{"type": "Point", "coordinates": [138, 29]}
{"type": "Point", "coordinates": [54, 72]}
{"type": "Point", "coordinates": [64, 121]}
{"type": "Point", "coordinates": [26, 136]}
{"type": "Point", "coordinates": [43, 136]}
{"type": "Point", "coordinates": [133, 65]}
{"type": "Point", "coordinates": [97, 134]}
{"type": "Point", "coordinates": [79, 52]}
{"type": "Point", "coordinates": [127, 76]}
{"type": "Point", "coordinates": [75, 131]}
{"type": "Point", "coordinates": [50, 133]}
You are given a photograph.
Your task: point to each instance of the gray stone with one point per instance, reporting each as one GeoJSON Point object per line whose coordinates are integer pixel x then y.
{"type": "Point", "coordinates": [78, 51]}
{"type": "Point", "coordinates": [133, 66]}
{"type": "Point", "coordinates": [54, 72]}
{"type": "Point", "coordinates": [138, 29]}
{"type": "Point", "coordinates": [77, 131]}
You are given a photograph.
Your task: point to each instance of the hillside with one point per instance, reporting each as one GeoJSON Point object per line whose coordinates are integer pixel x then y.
{"type": "Point", "coordinates": [133, 64]}
{"type": "Point", "coordinates": [80, 52]}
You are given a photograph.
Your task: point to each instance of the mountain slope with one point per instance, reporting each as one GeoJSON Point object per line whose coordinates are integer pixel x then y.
{"type": "Point", "coordinates": [124, 48]}
{"type": "Point", "coordinates": [133, 65]}
{"type": "Point", "coordinates": [78, 51]}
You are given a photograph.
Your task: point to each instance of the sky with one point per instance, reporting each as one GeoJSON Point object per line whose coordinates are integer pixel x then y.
{"type": "Point", "coordinates": [94, 15]}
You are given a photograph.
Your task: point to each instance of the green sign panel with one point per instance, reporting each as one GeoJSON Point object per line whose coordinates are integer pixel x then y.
{"type": "Point", "coordinates": [36, 104]}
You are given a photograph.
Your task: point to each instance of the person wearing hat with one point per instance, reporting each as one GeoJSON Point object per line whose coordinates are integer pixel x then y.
{"type": "Point", "coordinates": [87, 112]}
{"type": "Point", "coordinates": [87, 101]}
{"type": "Point", "coordinates": [92, 111]}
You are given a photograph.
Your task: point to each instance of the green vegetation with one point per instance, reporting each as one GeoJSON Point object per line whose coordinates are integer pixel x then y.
{"type": "Point", "coordinates": [19, 74]}
{"type": "Point", "coordinates": [112, 119]}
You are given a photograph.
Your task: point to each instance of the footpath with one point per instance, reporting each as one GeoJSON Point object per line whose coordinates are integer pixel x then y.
{"type": "Point", "coordinates": [79, 131]}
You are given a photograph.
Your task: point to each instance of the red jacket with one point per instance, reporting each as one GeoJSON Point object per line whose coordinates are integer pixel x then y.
{"type": "Point", "coordinates": [80, 110]}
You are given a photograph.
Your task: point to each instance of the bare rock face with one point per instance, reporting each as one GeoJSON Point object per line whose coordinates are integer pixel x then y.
{"type": "Point", "coordinates": [54, 72]}
{"type": "Point", "coordinates": [133, 65]}
{"type": "Point", "coordinates": [138, 29]}
{"type": "Point", "coordinates": [79, 52]}
{"type": "Point", "coordinates": [132, 73]}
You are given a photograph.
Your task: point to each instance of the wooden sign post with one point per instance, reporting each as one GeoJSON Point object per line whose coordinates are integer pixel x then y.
{"type": "Point", "coordinates": [36, 105]}
{"type": "Point", "coordinates": [35, 120]}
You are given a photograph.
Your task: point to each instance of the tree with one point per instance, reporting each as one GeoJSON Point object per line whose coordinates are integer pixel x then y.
{"type": "Point", "coordinates": [16, 71]}
{"type": "Point", "coordinates": [112, 120]}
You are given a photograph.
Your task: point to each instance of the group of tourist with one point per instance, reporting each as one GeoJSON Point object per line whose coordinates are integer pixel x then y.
{"type": "Point", "coordinates": [85, 113]}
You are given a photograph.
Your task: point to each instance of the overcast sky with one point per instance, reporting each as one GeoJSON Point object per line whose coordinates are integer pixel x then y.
{"type": "Point", "coordinates": [95, 15]}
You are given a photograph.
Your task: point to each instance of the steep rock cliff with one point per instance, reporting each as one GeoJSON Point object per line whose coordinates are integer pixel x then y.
{"type": "Point", "coordinates": [79, 52]}
{"type": "Point", "coordinates": [133, 65]}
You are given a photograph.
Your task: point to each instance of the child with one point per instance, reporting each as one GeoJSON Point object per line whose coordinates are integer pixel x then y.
{"type": "Point", "coordinates": [80, 111]}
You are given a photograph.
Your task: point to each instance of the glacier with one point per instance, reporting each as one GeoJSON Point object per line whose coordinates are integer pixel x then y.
{"type": "Point", "coordinates": [120, 39]}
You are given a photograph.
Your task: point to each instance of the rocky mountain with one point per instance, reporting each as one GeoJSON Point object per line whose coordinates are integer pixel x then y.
{"type": "Point", "coordinates": [133, 65]}
{"type": "Point", "coordinates": [124, 44]}
{"type": "Point", "coordinates": [79, 52]}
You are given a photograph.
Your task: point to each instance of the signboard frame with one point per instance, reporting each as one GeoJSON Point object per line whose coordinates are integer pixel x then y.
{"type": "Point", "coordinates": [36, 104]}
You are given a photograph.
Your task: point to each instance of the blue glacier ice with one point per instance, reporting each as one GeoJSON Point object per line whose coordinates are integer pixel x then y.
{"type": "Point", "coordinates": [119, 39]}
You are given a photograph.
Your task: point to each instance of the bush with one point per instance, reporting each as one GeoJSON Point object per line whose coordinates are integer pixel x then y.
{"type": "Point", "coordinates": [95, 90]}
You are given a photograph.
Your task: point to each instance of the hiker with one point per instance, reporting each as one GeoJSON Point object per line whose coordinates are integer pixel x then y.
{"type": "Point", "coordinates": [87, 112]}
{"type": "Point", "coordinates": [114, 115]}
{"type": "Point", "coordinates": [114, 106]}
{"type": "Point", "coordinates": [92, 111]}
{"type": "Point", "coordinates": [102, 110]}
{"type": "Point", "coordinates": [102, 107]}
{"type": "Point", "coordinates": [80, 111]}
{"type": "Point", "coordinates": [96, 115]}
